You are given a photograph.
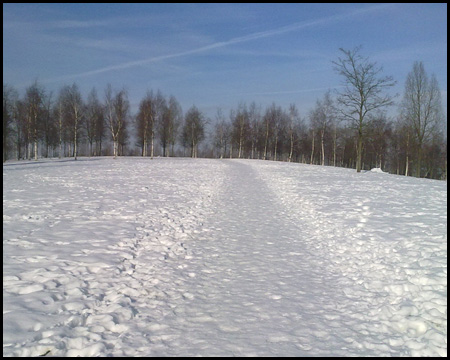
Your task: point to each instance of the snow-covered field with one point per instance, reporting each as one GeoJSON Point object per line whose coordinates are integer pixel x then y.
{"type": "Point", "coordinates": [198, 257]}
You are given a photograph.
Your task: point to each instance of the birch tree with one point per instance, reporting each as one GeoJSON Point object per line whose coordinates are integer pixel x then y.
{"type": "Point", "coordinates": [240, 125]}
{"type": "Point", "coordinates": [254, 114]}
{"type": "Point", "coordinates": [293, 119]}
{"type": "Point", "coordinates": [73, 109]}
{"type": "Point", "coordinates": [222, 133]}
{"type": "Point", "coordinates": [421, 108]}
{"type": "Point", "coordinates": [379, 136]}
{"type": "Point", "coordinates": [9, 102]}
{"type": "Point", "coordinates": [49, 128]}
{"type": "Point", "coordinates": [119, 125]}
{"type": "Point", "coordinates": [269, 121]}
{"type": "Point", "coordinates": [322, 118]}
{"type": "Point", "coordinates": [194, 129]}
{"type": "Point", "coordinates": [94, 115]}
{"type": "Point", "coordinates": [60, 117]}
{"type": "Point", "coordinates": [362, 94]}
{"type": "Point", "coordinates": [146, 123]}
{"type": "Point", "coordinates": [117, 112]}
{"type": "Point", "coordinates": [175, 114]}
{"type": "Point", "coordinates": [34, 103]}
{"type": "Point", "coordinates": [163, 124]}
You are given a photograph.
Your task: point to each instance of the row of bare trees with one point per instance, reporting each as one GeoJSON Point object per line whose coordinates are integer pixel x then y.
{"type": "Point", "coordinates": [58, 125]}
{"type": "Point", "coordinates": [322, 138]}
{"type": "Point", "coordinates": [349, 128]}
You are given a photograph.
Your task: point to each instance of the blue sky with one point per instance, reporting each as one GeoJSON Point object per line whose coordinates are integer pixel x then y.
{"type": "Point", "coordinates": [217, 55]}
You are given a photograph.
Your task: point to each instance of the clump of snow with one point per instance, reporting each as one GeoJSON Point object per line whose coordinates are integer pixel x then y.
{"type": "Point", "coordinates": [378, 170]}
{"type": "Point", "coordinates": [189, 257]}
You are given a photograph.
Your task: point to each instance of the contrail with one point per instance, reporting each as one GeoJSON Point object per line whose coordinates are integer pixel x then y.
{"type": "Point", "coordinates": [221, 44]}
{"type": "Point", "coordinates": [293, 91]}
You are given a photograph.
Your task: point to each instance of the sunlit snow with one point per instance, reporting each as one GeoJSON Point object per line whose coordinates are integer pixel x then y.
{"type": "Point", "coordinates": [203, 257]}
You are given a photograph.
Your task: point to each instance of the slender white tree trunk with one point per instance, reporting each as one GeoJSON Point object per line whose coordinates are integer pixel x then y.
{"type": "Point", "coordinates": [35, 150]}
{"type": "Point", "coordinates": [334, 146]}
{"type": "Point", "coordinates": [152, 146]}
{"type": "Point", "coordinates": [291, 151]}
{"type": "Point", "coordinates": [75, 143]}
{"type": "Point", "coordinates": [144, 148]}
{"type": "Point", "coordinates": [322, 148]}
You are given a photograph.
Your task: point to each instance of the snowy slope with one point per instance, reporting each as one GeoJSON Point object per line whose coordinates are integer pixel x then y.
{"type": "Point", "coordinates": [186, 257]}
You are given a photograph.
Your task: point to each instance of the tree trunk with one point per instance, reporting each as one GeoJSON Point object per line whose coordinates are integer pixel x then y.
{"type": "Point", "coordinates": [60, 131]}
{"type": "Point", "coordinates": [322, 148]}
{"type": "Point", "coordinates": [407, 165]}
{"type": "Point", "coordinates": [275, 149]}
{"type": "Point", "coordinates": [359, 152]}
{"type": "Point", "coordinates": [144, 148]}
{"type": "Point", "coordinates": [115, 147]}
{"type": "Point", "coordinates": [266, 140]}
{"type": "Point", "coordinates": [334, 146]}
{"type": "Point", "coordinates": [152, 147]}
{"type": "Point", "coordinates": [419, 160]}
{"type": "Point", "coordinates": [75, 144]}
{"type": "Point", "coordinates": [292, 147]}
{"type": "Point", "coordinates": [35, 150]}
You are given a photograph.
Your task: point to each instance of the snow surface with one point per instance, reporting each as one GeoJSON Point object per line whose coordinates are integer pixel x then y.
{"type": "Point", "coordinates": [198, 257]}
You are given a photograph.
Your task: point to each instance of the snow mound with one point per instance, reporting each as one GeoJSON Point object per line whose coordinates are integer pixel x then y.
{"type": "Point", "coordinates": [378, 170]}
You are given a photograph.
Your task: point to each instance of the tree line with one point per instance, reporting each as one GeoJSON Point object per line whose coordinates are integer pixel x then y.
{"type": "Point", "coordinates": [347, 128]}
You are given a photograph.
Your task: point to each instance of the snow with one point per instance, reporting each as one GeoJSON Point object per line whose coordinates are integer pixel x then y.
{"type": "Point", "coordinates": [378, 170]}
{"type": "Point", "coordinates": [203, 257]}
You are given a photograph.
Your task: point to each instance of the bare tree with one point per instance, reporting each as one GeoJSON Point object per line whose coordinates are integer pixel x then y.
{"type": "Point", "coordinates": [222, 133]}
{"type": "Point", "coordinates": [34, 103]}
{"type": "Point", "coordinates": [49, 128]}
{"type": "Point", "coordinates": [313, 137]}
{"type": "Point", "coordinates": [60, 116]}
{"type": "Point", "coordinates": [100, 129]}
{"type": "Point", "coordinates": [379, 135]}
{"type": "Point", "coordinates": [363, 92]}
{"type": "Point", "coordinates": [73, 107]}
{"type": "Point", "coordinates": [10, 97]}
{"type": "Point", "coordinates": [293, 119]}
{"type": "Point", "coordinates": [280, 124]}
{"type": "Point", "coordinates": [164, 119]}
{"type": "Point", "coordinates": [146, 123]}
{"type": "Point", "coordinates": [421, 107]}
{"type": "Point", "coordinates": [117, 112]}
{"type": "Point", "coordinates": [240, 124]}
{"type": "Point", "coordinates": [269, 121]}
{"type": "Point", "coordinates": [194, 129]}
{"type": "Point", "coordinates": [94, 115]}
{"type": "Point", "coordinates": [20, 124]}
{"type": "Point", "coordinates": [254, 114]}
{"type": "Point", "coordinates": [322, 118]}
{"type": "Point", "coordinates": [175, 115]}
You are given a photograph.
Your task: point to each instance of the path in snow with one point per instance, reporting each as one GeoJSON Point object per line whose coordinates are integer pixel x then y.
{"type": "Point", "coordinates": [255, 286]}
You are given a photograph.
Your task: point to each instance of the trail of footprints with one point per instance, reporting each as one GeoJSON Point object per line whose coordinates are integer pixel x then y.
{"type": "Point", "coordinates": [96, 303]}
